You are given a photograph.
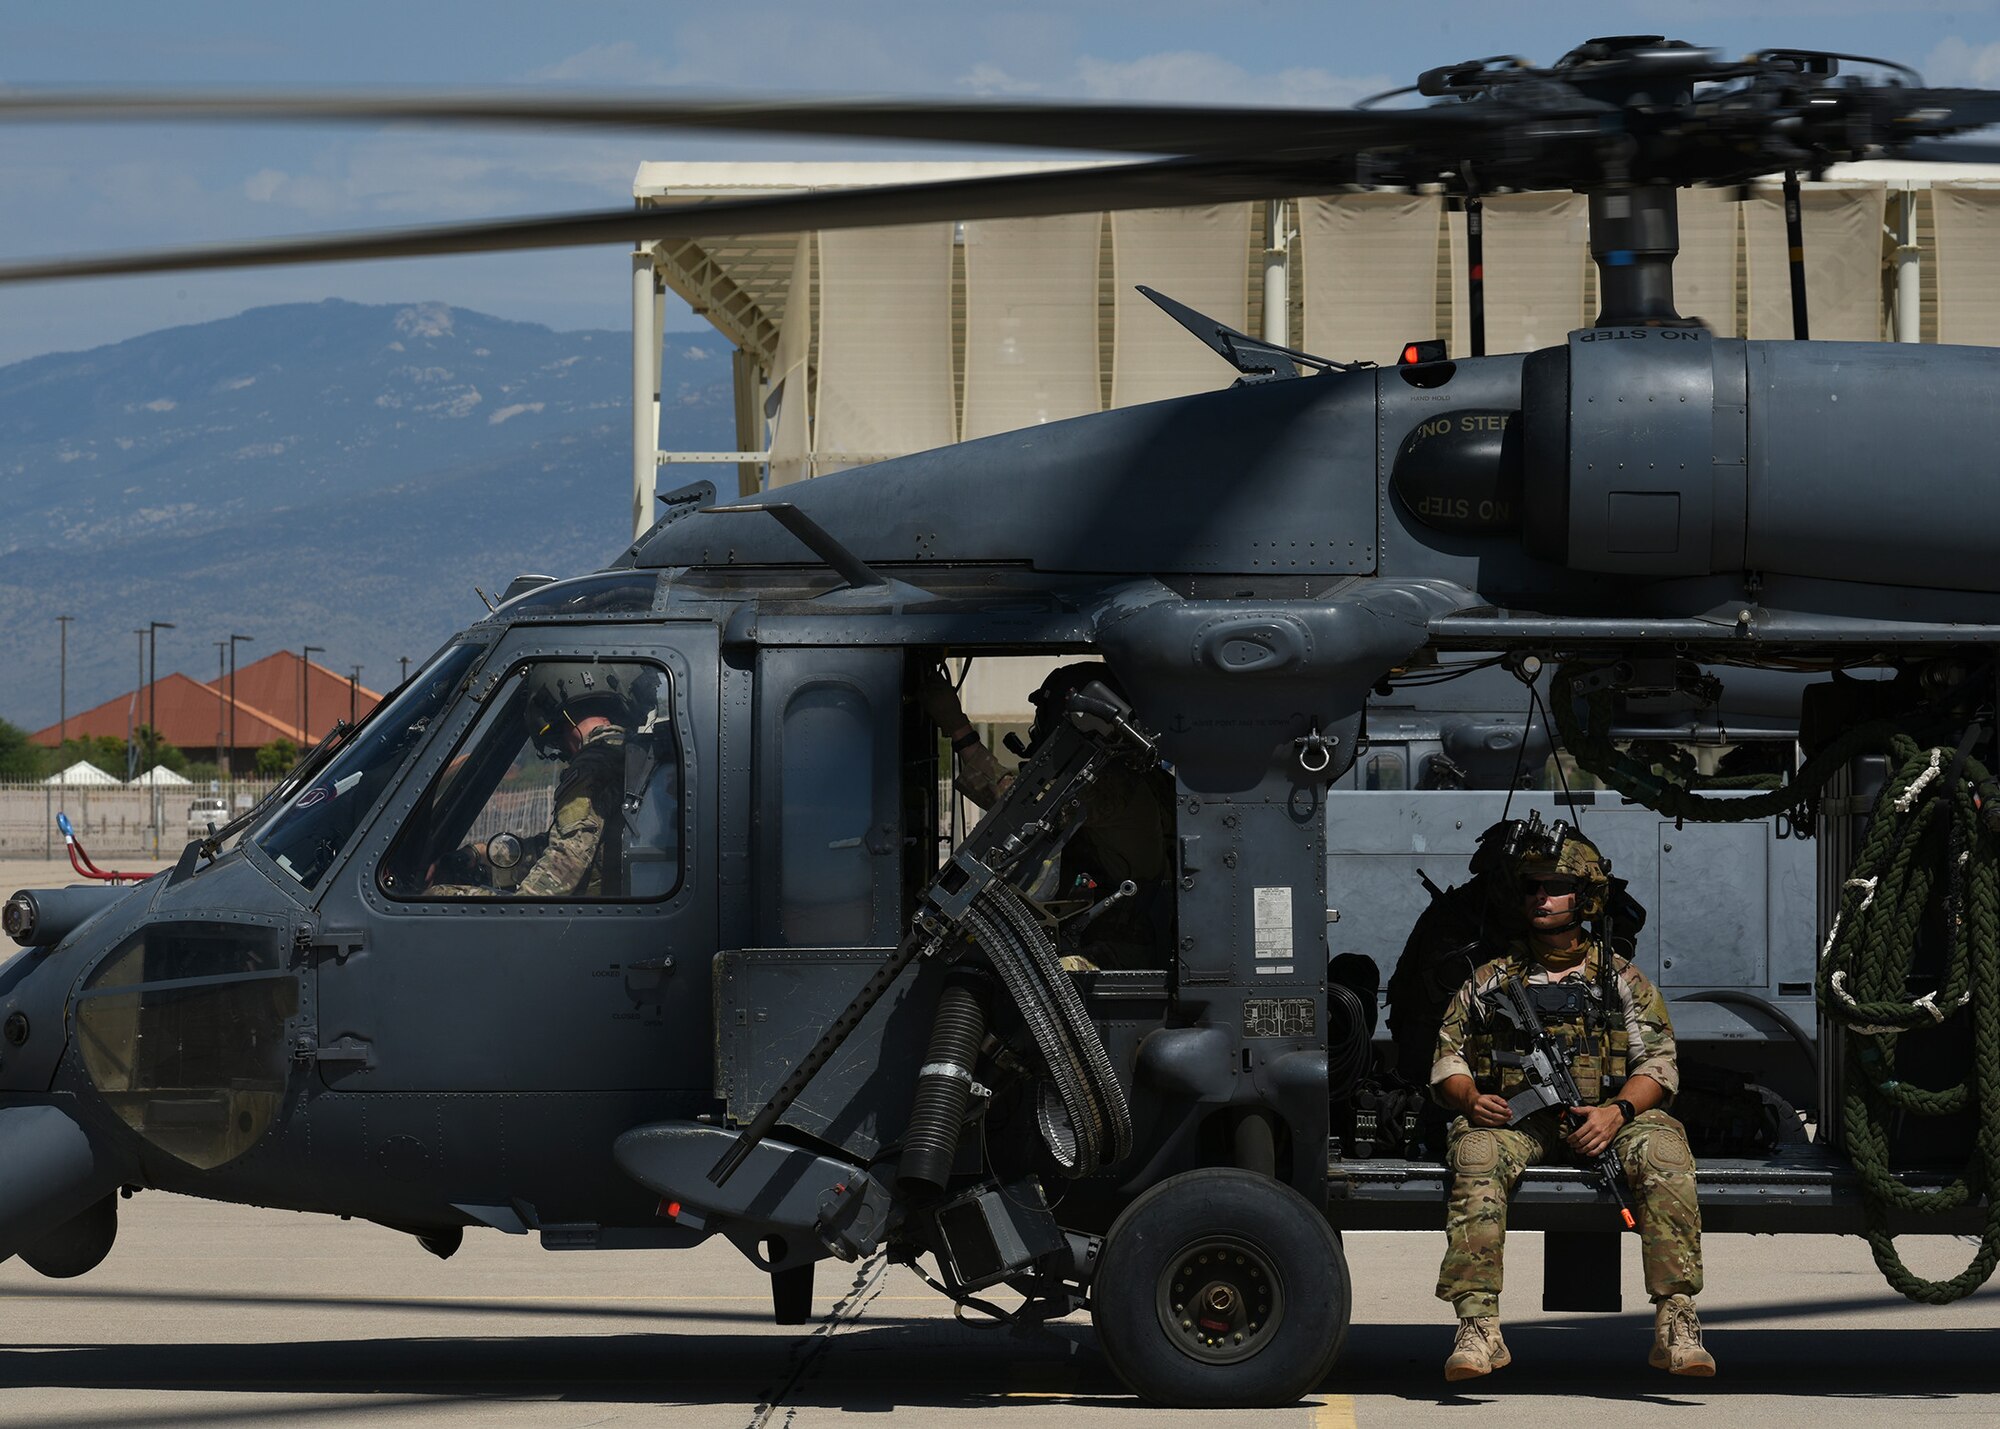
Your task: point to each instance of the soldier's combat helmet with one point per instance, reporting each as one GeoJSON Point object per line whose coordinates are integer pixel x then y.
{"type": "Point", "coordinates": [1565, 853]}
{"type": "Point", "coordinates": [562, 694]}
{"type": "Point", "coordinates": [1051, 699]}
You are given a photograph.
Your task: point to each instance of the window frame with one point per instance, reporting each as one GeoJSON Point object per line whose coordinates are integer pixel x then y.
{"type": "Point", "coordinates": [493, 684]}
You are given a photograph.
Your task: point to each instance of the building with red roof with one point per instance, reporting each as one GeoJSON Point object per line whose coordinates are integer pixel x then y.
{"type": "Point", "coordinates": [275, 697]}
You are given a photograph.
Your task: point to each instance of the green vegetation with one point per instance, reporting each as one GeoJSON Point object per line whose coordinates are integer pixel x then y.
{"type": "Point", "coordinates": [103, 751]}
{"type": "Point", "coordinates": [18, 758]}
{"type": "Point", "coordinates": [276, 757]}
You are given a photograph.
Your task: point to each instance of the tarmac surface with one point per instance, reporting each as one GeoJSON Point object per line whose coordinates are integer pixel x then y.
{"type": "Point", "coordinates": [208, 1314]}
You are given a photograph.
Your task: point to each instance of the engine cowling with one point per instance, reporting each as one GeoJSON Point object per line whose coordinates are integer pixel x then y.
{"type": "Point", "coordinates": [1667, 452]}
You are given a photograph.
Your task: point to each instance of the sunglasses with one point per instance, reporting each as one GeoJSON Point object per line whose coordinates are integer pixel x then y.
{"type": "Point", "coordinates": [1549, 887]}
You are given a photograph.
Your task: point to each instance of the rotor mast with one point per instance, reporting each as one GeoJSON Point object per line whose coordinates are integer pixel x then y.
{"type": "Point", "coordinates": [1635, 235]}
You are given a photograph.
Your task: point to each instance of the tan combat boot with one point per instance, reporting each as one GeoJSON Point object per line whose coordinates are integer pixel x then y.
{"type": "Point", "coordinates": [1677, 1339]}
{"type": "Point", "coordinates": [1478, 1349]}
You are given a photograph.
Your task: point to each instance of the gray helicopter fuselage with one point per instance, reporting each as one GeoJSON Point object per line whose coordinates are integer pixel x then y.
{"type": "Point", "coordinates": [1250, 562]}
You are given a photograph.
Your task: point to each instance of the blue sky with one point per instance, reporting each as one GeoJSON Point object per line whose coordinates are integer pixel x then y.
{"type": "Point", "coordinates": [79, 188]}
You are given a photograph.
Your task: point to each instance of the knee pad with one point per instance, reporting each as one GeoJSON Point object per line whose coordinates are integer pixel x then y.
{"type": "Point", "coordinates": [1667, 1152]}
{"type": "Point", "coordinates": [1477, 1153]}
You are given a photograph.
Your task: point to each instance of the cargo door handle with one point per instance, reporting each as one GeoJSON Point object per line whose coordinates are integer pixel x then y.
{"type": "Point", "coordinates": [347, 1049]}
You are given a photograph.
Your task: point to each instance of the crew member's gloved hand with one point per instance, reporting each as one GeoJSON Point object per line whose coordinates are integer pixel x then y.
{"type": "Point", "coordinates": [940, 702]}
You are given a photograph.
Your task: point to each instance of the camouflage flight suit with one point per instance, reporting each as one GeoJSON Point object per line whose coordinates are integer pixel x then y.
{"type": "Point", "coordinates": [1487, 1162]}
{"type": "Point", "coordinates": [581, 858]}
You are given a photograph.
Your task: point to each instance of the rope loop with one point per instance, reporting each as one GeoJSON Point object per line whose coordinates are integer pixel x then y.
{"type": "Point", "coordinates": [1927, 863]}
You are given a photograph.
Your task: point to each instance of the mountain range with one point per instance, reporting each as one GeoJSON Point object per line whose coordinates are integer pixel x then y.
{"type": "Point", "coordinates": [334, 474]}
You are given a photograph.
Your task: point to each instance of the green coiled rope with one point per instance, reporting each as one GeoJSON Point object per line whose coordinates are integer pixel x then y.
{"type": "Point", "coordinates": [1925, 824]}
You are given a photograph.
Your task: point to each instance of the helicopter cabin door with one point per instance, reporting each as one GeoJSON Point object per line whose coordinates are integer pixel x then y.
{"type": "Point", "coordinates": [538, 906]}
{"type": "Point", "coordinates": [829, 843]}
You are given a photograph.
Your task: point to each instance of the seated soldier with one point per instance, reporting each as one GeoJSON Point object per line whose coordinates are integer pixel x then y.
{"type": "Point", "coordinates": [1625, 1068]}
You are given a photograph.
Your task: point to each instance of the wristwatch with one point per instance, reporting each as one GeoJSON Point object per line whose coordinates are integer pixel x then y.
{"type": "Point", "coordinates": [1625, 1107]}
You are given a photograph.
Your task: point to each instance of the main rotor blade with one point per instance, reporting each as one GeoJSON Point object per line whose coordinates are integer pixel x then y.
{"type": "Point", "coordinates": [1170, 183]}
{"type": "Point", "coordinates": [1121, 128]}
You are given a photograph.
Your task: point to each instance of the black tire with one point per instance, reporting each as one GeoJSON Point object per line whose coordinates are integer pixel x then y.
{"type": "Point", "coordinates": [1246, 1234]}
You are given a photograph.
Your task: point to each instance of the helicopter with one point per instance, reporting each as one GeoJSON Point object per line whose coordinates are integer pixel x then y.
{"type": "Point", "coordinates": [783, 1013]}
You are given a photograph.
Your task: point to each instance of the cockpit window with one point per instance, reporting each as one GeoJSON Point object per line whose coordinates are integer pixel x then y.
{"type": "Point", "coordinates": [606, 593]}
{"type": "Point", "coordinates": [308, 834]}
{"type": "Point", "coordinates": [568, 787]}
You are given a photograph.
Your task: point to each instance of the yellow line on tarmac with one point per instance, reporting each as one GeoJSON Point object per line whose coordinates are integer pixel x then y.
{"type": "Point", "coordinates": [1336, 1413]}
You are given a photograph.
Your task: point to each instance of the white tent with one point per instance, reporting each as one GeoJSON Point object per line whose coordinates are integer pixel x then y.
{"type": "Point", "coordinates": [158, 777]}
{"type": "Point", "coordinates": [83, 772]}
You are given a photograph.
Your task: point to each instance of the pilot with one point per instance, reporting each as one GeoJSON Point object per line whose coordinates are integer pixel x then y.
{"type": "Point", "coordinates": [1126, 827]}
{"type": "Point", "coordinates": [1624, 1064]}
{"type": "Point", "coordinates": [573, 712]}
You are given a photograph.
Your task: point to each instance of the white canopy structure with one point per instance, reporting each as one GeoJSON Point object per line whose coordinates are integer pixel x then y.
{"type": "Point", "coordinates": [84, 773]}
{"type": "Point", "coordinates": [161, 777]}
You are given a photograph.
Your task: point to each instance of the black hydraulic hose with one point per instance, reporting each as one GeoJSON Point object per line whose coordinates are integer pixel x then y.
{"type": "Point", "coordinates": [944, 1083]}
{"type": "Point", "coordinates": [1086, 1065]}
{"type": "Point", "coordinates": [1354, 1052]}
{"type": "Point", "coordinates": [1727, 996]}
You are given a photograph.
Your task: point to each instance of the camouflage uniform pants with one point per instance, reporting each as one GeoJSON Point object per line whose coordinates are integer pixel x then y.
{"type": "Point", "coordinates": [1487, 1164]}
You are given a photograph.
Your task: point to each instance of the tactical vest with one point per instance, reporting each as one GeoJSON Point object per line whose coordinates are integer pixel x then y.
{"type": "Point", "coordinates": [598, 774]}
{"type": "Point", "coordinates": [1595, 1036]}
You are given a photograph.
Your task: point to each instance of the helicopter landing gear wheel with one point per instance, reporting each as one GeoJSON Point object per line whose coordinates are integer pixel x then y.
{"type": "Point", "coordinates": [1221, 1288]}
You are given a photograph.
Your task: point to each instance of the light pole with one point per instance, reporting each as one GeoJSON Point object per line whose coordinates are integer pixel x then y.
{"type": "Point", "coordinates": [153, 629]}
{"type": "Point", "coordinates": [232, 706]}
{"type": "Point", "coordinates": [221, 701]}
{"type": "Point", "coordinates": [62, 683]}
{"type": "Point", "coordinates": [406, 668]}
{"type": "Point", "coordinates": [131, 735]}
{"type": "Point", "coordinates": [306, 691]}
{"type": "Point", "coordinates": [354, 696]}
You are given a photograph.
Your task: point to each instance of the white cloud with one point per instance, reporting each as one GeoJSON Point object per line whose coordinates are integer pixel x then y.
{"type": "Point", "coordinates": [1954, 61]}
{"type": "Point", "coordinates": [1185, 76]}
{"type": "Point", "coordinates": [986, 78]}
{"type": "Point", "coordinates": [315, 194]}
{"type": "Point", "coordinates": [502, 414]}
{"type": "Point", "coordinates": [616, 63]}
{"type": "Point", "coordinates": [1180, 77]}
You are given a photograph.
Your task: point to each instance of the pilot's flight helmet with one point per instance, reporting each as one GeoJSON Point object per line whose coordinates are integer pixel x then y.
{"type": "Point", "coordinates": [1568, 854]}
{"type": "Point", "coordinates": [563, 693]}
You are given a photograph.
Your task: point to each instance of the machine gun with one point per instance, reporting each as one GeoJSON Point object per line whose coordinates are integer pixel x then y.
{"type": "Point", "coordinates": [1006, 850]}
{"type": "Point", "coordinates": [1546, 1064]}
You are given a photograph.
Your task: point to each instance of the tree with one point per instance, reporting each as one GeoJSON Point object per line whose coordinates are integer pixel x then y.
{"type": "Point", "coordinates": [102, 751]}
{"type": "Point", "coordinates": [154, 750]}
{"type": "Point", "coordinates": [276, 757]}
{"type": "Point", "coordinates": [18, 758]}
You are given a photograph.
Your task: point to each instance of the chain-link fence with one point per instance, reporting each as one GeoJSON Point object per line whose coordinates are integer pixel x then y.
{"type": "Point", "coordinates": [116, 818]}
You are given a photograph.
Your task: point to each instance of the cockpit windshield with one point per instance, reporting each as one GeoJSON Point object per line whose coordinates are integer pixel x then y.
{"type": "Point", "coordinates": [308, 834]}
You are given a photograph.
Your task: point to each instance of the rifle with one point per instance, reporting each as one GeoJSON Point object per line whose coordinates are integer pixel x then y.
{"type": "Point", "coordinates": [1551, 1082]}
